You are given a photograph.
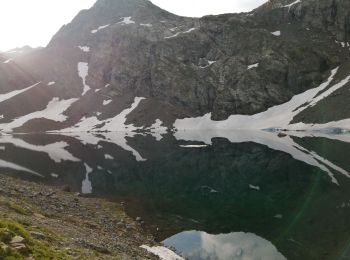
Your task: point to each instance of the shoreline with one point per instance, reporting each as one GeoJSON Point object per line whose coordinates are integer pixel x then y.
{"type": "Point", "coordinates": [67, 224]}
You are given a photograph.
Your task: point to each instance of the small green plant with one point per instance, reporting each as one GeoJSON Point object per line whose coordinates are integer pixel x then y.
{"type": "Point", "coordinates": [38, 249]}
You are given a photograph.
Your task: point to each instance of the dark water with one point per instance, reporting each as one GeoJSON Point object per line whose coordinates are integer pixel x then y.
{"type": "Point", "coordinates": [211, 195]}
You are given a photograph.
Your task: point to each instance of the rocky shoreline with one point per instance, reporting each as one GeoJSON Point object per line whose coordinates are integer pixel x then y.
{"type": "Point", "coordinates": [50, 223]}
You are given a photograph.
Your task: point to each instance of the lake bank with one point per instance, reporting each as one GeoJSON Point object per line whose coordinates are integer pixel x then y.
{"type": "Point", "coordinates": [64, 225]}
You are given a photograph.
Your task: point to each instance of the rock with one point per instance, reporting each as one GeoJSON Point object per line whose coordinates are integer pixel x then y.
{"type": "Point", "coordinates": [21, 248]}
{"type": "Point", "coordinates": [38, 215]}
{"type": "Point", "coordinates": [37, 235]}
{"type": "Point", "coordinates": [138, 219]}
{"type": "Point", "coordinates": [281, 135]}
{"type": "Point", "coordinates": [17, 239]}
{"type": "Point", "coordinates": [66, 188]}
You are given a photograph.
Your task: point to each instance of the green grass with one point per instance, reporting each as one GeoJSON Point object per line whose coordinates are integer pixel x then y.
{"type": "Point", "coordinates": [18, 208]}
{"type": "Point", "coordinates": [38, 249]}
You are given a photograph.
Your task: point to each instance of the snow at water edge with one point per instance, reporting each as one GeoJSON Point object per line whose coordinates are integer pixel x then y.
{"type": "Point", "coordinates": [277, 117]}
{"type": "Point", "coordinates": [162, 252]}
{"type": "Point", "coordinates": [157, 130]}
{"type": "Point", "coordinates": [116, 123]}
{"type": "Point", "coordinates": [54, 111]}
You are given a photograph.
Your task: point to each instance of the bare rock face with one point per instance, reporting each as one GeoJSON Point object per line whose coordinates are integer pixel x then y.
{"type": "Point", "coordinates": [184, 67]}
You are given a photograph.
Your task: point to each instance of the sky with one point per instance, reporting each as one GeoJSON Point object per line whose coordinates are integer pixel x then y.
{"type": "Point", "coordinates": [34, 22]}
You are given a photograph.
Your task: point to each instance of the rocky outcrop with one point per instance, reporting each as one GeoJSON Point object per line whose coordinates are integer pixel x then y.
{"type": "Point", "coordinates": [183, 67]}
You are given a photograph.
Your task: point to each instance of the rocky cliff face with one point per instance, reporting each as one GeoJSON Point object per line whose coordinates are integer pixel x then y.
{"type": "Point", "coordinates": [233, 64]}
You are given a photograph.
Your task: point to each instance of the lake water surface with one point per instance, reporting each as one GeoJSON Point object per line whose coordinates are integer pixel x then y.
{"type": "Point", "coordinates": [210, 195]}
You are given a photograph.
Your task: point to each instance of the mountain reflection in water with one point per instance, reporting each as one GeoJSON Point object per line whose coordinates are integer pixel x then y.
{"type": "Point", "coordinates": [239, 245]}
{"type": "Point", "coordinates": [251, 193]}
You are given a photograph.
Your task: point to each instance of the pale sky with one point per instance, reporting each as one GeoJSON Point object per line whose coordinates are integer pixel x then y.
{"type": "Point", "coordinates": [34, 22]}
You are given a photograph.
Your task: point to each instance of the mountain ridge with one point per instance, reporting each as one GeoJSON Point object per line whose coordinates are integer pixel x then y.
{"type": "Point", "coordinates": [230, 64]}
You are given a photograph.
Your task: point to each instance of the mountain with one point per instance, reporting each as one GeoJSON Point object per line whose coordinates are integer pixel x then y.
{"type": "Point", "coordinates": [129, 65]}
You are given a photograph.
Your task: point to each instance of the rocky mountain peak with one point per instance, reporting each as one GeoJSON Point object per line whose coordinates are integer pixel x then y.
{"type": "Point", "coordinates": [273, 4]}
{"type": "Point", "coordinates": [325, 15]}
{"type": "Point", "coordinates": [121, 4]}
{"type": "Point", "coordinates": [131, 53]}
{"type": "Point", "coordinates": [109, 14]}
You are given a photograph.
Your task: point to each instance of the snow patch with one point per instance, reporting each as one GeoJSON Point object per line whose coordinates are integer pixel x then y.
{"type": "Point", "coordinates": [84, 48]}
{"type": "Point", "coordinates": [190, 30]}
{"type": "Point", "coordinates": [13, 166]}
{"type": "Point", "coordinates": [83, 71]}
{"type": "Point", "coordinates": [157, 130]}
{"type": "Point", "coordinates": [146, 24]}
{"type": "Point", "coordinates": [194, 146]}
{"type": "Point", "coordinates": [100, 28]}
{"type": "Point", "coordinates": [290, 5]}
{"type": "Point", "coordinates": [109, 157]}
{"type": "Point", "coordinates": [54, 175]}
{"type": "Point", "coordinates": [254, 187]}
{"type": "Point", "coordinates": [106, 102]}
{"type": "Point", "coordinates": [162, 252]}
{"type": "Point", "coordinates": [210, 62]}
{"type": "Point", "coordinates": [276, 33]}
{"type": "Point", "coordinates": [277, 117]}
{"type": "Point", "coordinates": [178, 33]}
{"type": "Point", "coordinates": [172, 36]}
{"type": "Point", "coordinates": [7, 61]}
{"type": "Point", "coordinates": [54, 111]}
{"type": "Point", "coordinates": [253, 66]}
{"type": "Point", "coordinates": [126, 21]}
{"type": "Point", "coordinates": [84, 125]}
{"type": "Point", "coordinates": [116, 123]}
{"type": "Point", "coordinates": [86, 186]}
{"type": "Point", "coordinates": [4, 97]}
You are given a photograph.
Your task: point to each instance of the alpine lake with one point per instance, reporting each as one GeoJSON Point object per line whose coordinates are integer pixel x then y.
{"type": "Point", "coordinates": [209, 195]}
